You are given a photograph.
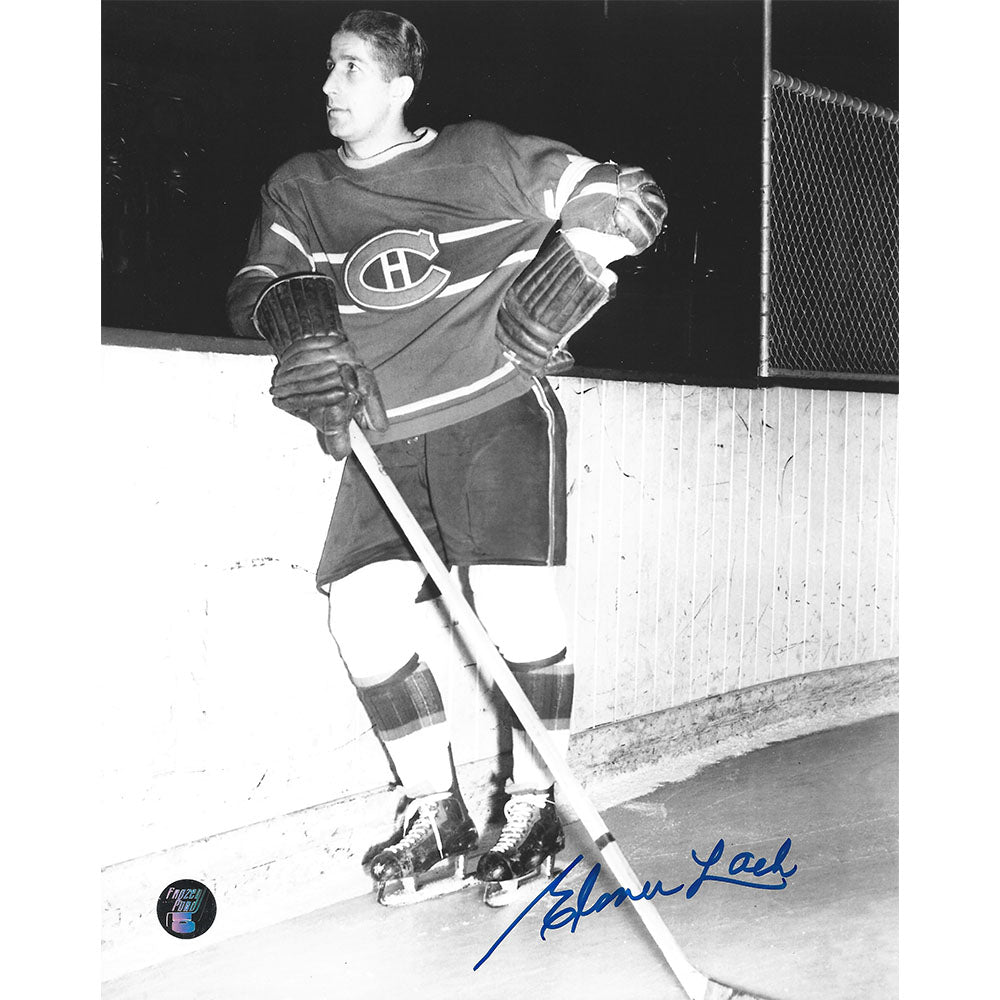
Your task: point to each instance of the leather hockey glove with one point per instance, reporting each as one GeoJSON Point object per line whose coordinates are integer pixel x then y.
{"type": "Point", "coordinates": [641, 209]}
{"type": "Point", "coordinates": [621, 203]}
{"type": "Point", "coordinates": [548, 302]}
{"type": "Point", "coordinates": [319, 376]}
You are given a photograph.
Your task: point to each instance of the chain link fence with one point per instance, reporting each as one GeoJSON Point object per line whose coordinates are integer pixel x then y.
{"type": "Point", "coordinates": [830, 281]}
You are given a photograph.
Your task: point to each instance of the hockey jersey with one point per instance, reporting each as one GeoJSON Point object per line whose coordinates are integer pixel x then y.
{"type": "Point", "coordinates": [423, 242]}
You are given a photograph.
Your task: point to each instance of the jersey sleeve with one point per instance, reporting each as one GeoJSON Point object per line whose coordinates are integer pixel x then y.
{"type": "Point", "coordinates": [545, 176]}
{"type": "Point", "coordinates": [275, 248]}
{"type": "Point", "coordinates": [538, 174]}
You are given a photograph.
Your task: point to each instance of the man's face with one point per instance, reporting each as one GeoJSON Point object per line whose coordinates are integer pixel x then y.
{"type": "Point", "coordinates": [359, 100]}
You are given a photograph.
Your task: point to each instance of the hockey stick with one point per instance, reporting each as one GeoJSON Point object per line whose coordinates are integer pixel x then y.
{"type": "Point", "coordinates": [695, 984]}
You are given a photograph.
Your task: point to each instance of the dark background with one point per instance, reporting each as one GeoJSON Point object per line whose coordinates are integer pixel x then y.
{"type": "Point", "coordinates": [201, 101]}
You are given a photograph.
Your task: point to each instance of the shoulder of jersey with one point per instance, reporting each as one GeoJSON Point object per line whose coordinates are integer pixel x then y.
{"type": "Point", "coordinates": [315, 166]}
{"type": "Point", "coordinates": [474, 136]}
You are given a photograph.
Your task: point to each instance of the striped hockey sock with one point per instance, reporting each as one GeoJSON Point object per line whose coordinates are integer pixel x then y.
{"type": "Point", "coordinates": [548, 685]}
{"type": "Point", "coordinates": [407, 713]}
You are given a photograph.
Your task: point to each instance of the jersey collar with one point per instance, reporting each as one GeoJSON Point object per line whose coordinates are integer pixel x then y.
{"type": "Point", "coordinates": [423, 136]}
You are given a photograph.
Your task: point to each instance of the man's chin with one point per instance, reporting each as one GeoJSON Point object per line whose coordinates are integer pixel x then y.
{"type": "Point", "coordinates": [336, 125]}
{"type": "Point", "coordinates": [339, 133]}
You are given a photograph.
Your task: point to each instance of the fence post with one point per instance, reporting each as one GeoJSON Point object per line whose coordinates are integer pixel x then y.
{"type": "Point", "coordinates": [765, 198]}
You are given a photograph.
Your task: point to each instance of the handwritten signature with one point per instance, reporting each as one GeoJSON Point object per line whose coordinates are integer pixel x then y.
{"type": "Point", "coordinates": [562, 913]}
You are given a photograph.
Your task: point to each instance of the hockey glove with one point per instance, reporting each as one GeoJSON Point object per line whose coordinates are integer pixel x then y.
{"type": "Point", "coordinates": [548, 302]}
{"type": "Point", "coordinates": [319, 376]}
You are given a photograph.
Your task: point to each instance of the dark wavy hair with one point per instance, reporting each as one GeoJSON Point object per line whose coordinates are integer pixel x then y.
{"type": "Point", "coordinates": [398, 47]}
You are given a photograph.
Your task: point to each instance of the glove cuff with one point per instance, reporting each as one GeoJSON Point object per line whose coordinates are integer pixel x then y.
{"type": "Point", "coordinates": [296, 307]}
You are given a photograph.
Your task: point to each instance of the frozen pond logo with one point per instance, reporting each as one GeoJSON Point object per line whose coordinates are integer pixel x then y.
{"type": "Point", "coordinates": [186, 908]}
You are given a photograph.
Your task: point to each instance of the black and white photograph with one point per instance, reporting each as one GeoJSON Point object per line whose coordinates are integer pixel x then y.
{"type": "Point", "coordinates": [498, 449]}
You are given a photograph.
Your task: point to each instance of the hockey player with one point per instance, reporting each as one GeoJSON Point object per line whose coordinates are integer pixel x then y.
{"type": "Point", "coordinates": [458, 263]}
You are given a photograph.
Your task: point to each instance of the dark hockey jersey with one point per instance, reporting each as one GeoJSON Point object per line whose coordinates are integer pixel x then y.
{"type": "Point", "coordinates": [423, 244]}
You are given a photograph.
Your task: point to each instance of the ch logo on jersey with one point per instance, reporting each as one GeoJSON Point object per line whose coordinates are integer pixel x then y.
{"type": "Point", "coordinates": [391, 270]}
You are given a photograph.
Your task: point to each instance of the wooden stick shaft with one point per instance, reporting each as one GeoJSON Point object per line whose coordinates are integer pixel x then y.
{"type": "Point", "coordinates": [695, 984]}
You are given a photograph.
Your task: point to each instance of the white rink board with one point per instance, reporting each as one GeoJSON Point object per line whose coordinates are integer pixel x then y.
{"type": "Point", "coordinates": [721, 537]}
{"type": "Point", "coordinates": [718, 537]}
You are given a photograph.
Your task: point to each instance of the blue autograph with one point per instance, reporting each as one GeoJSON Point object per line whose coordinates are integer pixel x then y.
{"type": "Point", "coordinates": [559, 915]}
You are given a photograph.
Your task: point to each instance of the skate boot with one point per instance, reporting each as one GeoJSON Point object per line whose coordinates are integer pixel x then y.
{"type": "Point", "coordinates": [526, 849]}
{"type": "Point", "coordinates": [429, 859]}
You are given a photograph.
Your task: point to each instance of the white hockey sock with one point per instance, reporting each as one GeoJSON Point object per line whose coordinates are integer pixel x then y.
{"type": "Point", "coordinates": [529, 772]}
{"type": "Point", "coordinates": [422, 760]}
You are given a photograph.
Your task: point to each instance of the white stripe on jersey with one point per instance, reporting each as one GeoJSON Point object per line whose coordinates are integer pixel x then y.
{"type": "Point", "coordinates": [572, 175]}
{"type": "Point", "coordinates": [256, 267]}
{"type": "Point", "coordinates": [444, 397]}
{"type": "Point", "coordinates": [551, 420]}
{"type": "Point", "coordinates": [464, 286]}
{"type": "Point", "coordinates": [520, 257]}
{"type": "Point", "coordinates": [287, 234]}
{"type": "Point", "coordinates": [330, 258]}
{"type": "Point", "coordinates": [466, 234]}
{"type": "Point", "coordinates": [598, 187]}
{"type": "Point", "coordinates": [453, 237]}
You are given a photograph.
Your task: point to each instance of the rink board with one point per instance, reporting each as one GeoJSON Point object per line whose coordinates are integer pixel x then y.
{"type": "Point", "coordinates": [720, 539]}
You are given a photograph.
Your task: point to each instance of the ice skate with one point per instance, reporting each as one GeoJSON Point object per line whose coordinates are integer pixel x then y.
{"type": "Point", "coordinates": [525, 851]}
{"type": "Point", "coordinates": [430, 858]}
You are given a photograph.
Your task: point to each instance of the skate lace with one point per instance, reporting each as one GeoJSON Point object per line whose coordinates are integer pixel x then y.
{"type": "Point", "coordinates": [422, 812]}
{"type": "Point", "coordinates": [520, 814]}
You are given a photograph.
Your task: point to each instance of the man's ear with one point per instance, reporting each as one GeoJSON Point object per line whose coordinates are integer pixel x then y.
{"type": "Point", "coordinates": [401, 88]}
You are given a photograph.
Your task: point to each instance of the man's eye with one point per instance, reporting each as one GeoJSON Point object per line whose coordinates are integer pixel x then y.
{"type": "Point", "coordinates": [329, 65]}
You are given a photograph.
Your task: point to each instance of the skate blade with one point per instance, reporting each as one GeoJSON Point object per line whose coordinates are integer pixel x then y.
{"type": "Point", "coordinates": [500, 894]}
{"type": "Point", "coordinates": [444, 878]}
